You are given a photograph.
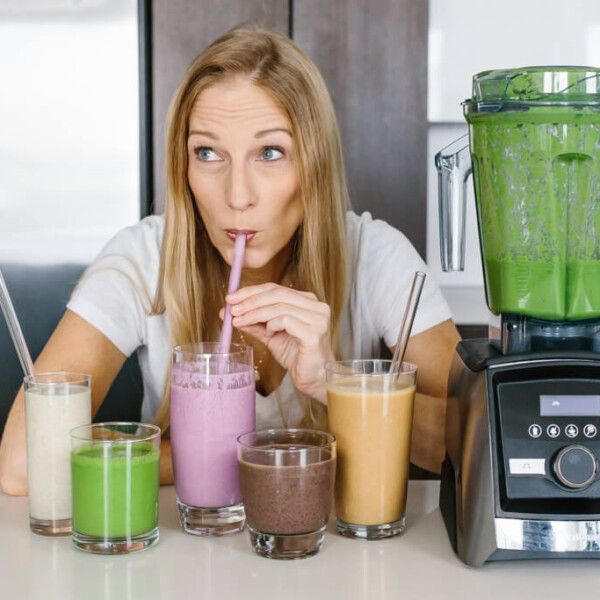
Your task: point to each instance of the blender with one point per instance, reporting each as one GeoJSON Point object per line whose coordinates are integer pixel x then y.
{"type": "Point", "coordinates": [520, 478]}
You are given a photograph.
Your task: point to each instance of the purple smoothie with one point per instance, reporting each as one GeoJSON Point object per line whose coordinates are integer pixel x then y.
{"type": "Point", "coordinates": [205, 423]}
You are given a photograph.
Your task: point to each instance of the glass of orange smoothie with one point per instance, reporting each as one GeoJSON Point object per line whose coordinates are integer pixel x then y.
{"type": "Point", "coordinates": [370, 414]}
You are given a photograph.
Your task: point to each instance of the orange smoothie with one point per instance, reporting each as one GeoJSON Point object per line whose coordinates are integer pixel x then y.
{"type": "Point", "coordinates": [371, 418]}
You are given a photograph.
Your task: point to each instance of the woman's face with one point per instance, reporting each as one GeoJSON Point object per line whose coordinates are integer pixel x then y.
{"type": "Point", "coordinates": [242, 171]}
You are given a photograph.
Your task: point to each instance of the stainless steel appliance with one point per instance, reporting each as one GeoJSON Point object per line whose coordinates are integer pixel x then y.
{"type": "Point", "coordinates": [520, 479]}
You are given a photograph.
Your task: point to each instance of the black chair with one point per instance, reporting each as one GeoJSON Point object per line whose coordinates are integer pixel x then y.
{"type": "Point", "coordinates": [39, 294]}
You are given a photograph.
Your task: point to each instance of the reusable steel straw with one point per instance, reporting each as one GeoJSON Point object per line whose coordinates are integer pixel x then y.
{"type": "Point", "coordinates": [15, 329]}
{"type": "Point", "coordinates": [234, 283]}
{"type": "Point", "coordinates": [407, 322]}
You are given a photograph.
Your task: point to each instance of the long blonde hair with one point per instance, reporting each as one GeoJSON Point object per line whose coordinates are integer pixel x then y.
{"type": "Point", "coordinates": [191, 269]}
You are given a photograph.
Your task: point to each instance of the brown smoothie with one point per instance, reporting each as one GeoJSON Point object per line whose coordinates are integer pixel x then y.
{"type": "Point", "coordinates": [371, 418]}
{"type": "Point", "coordinates": [287, 498]}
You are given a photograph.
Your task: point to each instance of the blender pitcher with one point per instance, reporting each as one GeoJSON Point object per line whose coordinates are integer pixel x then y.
{"type": "Point", "coordinates": [534, 145]}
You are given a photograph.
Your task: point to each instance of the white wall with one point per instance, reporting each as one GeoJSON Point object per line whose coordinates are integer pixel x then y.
{"type": "Point", "coordinates": [469, 36]}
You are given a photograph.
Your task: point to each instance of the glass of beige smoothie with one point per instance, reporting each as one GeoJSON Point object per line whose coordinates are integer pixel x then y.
{"type": "Point", "coordinates": [55, 403]}
{"type": "Point", "coordinates": [370, 414]}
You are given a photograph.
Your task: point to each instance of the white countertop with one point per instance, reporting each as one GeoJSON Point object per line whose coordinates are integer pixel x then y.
{"type": "Point", "coordinates": [420, 564]}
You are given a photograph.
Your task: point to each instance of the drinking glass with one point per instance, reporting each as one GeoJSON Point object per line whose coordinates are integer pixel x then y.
{"type": "Point", "coordinates": [287, 478]}
{"type": "Point", "coordinates": [213, 401]}
{"type": "Point", "coordinates": [54, 404]}
{"type": "Point", "coordinates": [371, 414]}
{"type": "Point", "coordinates": [115, 473]}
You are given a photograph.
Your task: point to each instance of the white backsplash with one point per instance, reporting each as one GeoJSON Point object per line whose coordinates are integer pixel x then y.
{"type": "Point", "coordinates": [469, 36]}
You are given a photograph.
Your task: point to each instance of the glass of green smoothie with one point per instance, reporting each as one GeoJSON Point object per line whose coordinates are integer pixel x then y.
{"type": "Point", "coordinates": [115, 483]}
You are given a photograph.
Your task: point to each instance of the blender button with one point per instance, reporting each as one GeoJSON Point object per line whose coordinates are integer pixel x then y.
{"type": "Point", "coordinates": [535, 430]}
{"type": "Point", "coordinates": [571, 430]}
{"type": "Point", "coordinates": [553, 431]}
{"type": "Point", "coordinates": [527, 466]}
{"type": "Point", "coordinates": [590, 430]}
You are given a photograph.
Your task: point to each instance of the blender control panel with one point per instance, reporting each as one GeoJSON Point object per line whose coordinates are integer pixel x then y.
{"type": "Point", "coordinates": [548, 443]}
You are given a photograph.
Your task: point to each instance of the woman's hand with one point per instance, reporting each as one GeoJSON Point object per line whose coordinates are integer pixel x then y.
{"type": "Point", "coordinates": [293, 325]}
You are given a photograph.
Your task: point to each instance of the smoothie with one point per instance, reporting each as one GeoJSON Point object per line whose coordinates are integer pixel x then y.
{"type": "Point", "coordinates": [206, 419]}
{"type": "Point", "coordinates": [115, 489]}
{"type": "Point", "coordinates": [537, 186]}
{"type": "Point", "coordinates": [287, 498]}
{"type": "Point", "coordinates": [371, 418]}
{"type": "Point", "coordinates": [51, 411]}
{"type": "Point", "coordinates": [527, 287]}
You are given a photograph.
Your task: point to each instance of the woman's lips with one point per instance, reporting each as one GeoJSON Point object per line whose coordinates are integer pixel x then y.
{"type": "Point", "coordinates": [232, 233]}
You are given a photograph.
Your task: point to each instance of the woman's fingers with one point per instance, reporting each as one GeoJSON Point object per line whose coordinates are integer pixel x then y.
{"type": "Point", "coordinates": [276, 300]}
{"type": "Point", "coordinates": [296, 328]}
{"type": "Point", "coordinates": [252, 297]}
{"type": "Point", "coordinates": [278, 332]}
{"type": "Point", "coordinates": [316, 318]}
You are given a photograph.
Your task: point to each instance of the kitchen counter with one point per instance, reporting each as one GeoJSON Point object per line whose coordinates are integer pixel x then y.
{"type": "Point", "coordinates": [420, 564]}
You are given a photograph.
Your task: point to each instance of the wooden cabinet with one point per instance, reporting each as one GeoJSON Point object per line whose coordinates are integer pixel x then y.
{"type": "Point", "coordinates": [373, 57]}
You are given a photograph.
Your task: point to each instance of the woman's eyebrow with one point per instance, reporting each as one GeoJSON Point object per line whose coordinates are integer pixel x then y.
{"type": "Point", "coordinates": [208, 134]}
{"type": "Point", "coordinates": [267, 131]}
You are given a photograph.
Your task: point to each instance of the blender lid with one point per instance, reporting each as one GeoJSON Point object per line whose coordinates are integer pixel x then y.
{"type": "Point", "coordinates": [492, 90]}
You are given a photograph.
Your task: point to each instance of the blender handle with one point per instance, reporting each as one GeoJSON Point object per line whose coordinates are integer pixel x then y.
{"type": "Point", "coordinates": [454, 166]}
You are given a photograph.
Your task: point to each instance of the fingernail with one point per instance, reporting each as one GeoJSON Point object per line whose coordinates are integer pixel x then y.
{"type": "Point", "coordinates": [238, 320]}
{"type": "Point", "coordinates": [237, 309]}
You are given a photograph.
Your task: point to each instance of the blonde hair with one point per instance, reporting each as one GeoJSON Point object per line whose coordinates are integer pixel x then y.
{"type": "Point", "coordinates": [191, 269]}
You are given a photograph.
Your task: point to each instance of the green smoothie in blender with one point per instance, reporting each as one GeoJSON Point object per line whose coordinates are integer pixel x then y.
{"type": "Point", "coordinates": [535, 149]}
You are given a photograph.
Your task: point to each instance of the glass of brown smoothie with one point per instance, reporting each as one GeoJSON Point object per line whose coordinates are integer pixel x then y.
{"type": "Point", "coordinates": [370, 414]}
{"type": "Point", "coordinates": [287, 479]}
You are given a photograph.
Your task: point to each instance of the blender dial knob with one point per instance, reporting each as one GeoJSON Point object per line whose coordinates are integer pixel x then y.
{"type": "Point", "coordinates": [575, 466]}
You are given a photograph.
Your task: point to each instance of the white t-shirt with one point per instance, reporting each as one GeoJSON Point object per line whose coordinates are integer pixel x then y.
{"type": "Point", "coordinates": [113, 297]}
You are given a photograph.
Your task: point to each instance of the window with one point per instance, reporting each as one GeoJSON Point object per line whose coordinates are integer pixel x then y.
{"type": "Point", "coordinates": [69, 123]}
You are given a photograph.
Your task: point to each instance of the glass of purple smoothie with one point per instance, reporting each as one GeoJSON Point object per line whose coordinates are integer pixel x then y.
{"type": "Point", "coordinates": [287, 478]}
{"type": "Point", "coordinates": [213, 401]}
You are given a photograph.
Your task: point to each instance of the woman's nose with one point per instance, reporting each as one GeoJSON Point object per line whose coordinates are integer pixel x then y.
{"type": "Point", "coordinates": [240, 193]}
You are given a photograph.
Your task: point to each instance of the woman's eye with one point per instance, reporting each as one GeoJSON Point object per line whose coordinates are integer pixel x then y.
{"type": "Point", "coordinates": [271, 153]}
{"type": "Point", "coordinates": [206, 154]}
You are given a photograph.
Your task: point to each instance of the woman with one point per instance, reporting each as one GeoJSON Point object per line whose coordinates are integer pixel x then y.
{"type": "Point", "coordinates": [252, 147]}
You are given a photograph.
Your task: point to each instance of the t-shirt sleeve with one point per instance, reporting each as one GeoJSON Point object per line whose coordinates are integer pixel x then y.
{"type": "Point", "coordinates": [115, 292]}
{"type": "Point", "coordinates": [388, 262]}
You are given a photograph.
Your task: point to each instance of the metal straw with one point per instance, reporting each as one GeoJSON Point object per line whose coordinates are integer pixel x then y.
{"type": "Point", "coordinates": [15, 329]}
{"type": "Point", "coordinates": [407, 322]}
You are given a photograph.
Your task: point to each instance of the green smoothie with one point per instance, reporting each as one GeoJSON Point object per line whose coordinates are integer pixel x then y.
{"type": "Point", "coordinates": [537, 187]}
{"type": "Point", "coordinates": [115, 489]}
{"type": "Point", "coordinates": [583, 277]}
{"type": "Point", "coordinates": [526, 287]}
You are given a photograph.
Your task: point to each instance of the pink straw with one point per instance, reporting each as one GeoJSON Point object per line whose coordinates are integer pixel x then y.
{"type": "Point", "coordinates": [234, 284]}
